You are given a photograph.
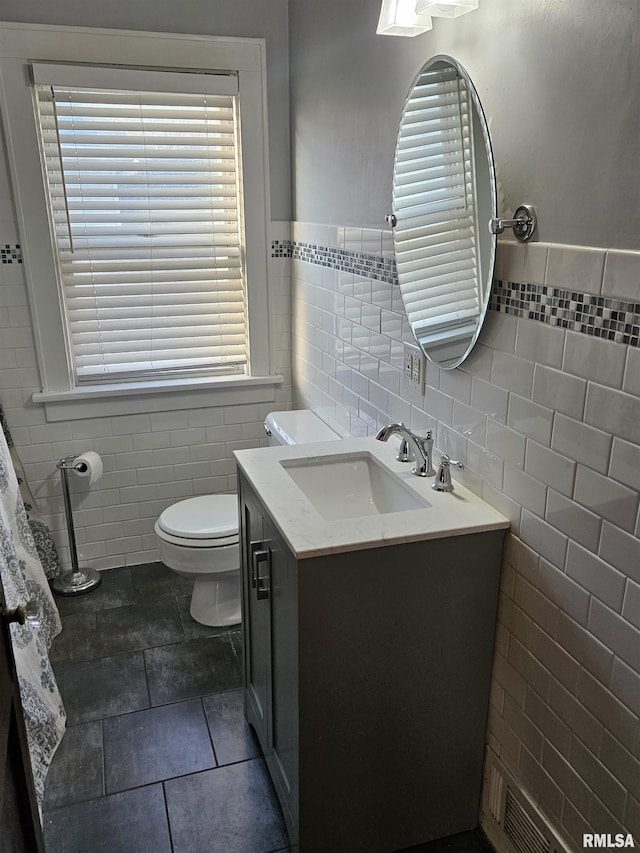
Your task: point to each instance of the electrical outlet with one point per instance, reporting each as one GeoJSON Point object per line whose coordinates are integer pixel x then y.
{"type": "Point", "coordinates": [414, 368]}
{"type": "Point", "coordinates": [408, 366]}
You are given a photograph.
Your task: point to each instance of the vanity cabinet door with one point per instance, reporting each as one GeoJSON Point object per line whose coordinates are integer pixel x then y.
{"type": "Point", "coordinates": [270, 625]}
{"type": "Point", "coordinates": [256, 618]}
{"type": "Point", "coordinates": [282, 759]}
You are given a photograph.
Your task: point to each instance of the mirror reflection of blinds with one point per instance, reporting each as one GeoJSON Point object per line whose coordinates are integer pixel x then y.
{"type": "Point", "coordinates": [435, 234]}
{"type": "Point", "coordinates": [146, 185]}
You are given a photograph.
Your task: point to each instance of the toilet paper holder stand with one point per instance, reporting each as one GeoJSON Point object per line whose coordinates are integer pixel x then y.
{"type": "Point", "coordinates": [76, 581]}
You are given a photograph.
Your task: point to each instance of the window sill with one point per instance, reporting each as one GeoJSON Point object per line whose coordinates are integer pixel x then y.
{"type": "Point", "coordinates": [159, 396]}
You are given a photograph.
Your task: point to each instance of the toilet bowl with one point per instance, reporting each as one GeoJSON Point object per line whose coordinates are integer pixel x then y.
{"type": "Point", "coordinates": [198, 537]}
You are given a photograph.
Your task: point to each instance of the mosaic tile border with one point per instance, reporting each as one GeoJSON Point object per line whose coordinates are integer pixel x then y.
{"type": "Point", "coordinates": [9, 253]}
{"type": "Point", "coordinates": [599, 316]}
{"type": "Point", "coordinates": [281, 249]}
{"type": "Point", "coordinates": [360, 263]}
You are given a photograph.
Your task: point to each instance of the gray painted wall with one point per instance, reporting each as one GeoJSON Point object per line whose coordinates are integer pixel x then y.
{"type": "Point", "coordinates": [560, 83]}
{"type": "Point", "coordinates": [247, 18]}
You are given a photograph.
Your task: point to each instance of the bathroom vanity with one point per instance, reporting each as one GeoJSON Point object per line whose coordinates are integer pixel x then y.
{"type": "Point", "coordinates": [368, 644]}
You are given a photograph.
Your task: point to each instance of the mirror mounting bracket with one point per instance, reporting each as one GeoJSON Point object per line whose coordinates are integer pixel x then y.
{"type": "Point", "coordinates": [524, 223]}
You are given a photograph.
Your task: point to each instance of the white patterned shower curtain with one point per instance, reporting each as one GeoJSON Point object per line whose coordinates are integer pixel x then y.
{"type": "Point", "coordinates": [23, 580]}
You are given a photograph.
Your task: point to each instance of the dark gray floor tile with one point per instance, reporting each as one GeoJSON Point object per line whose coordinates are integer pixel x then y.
{"type": "Point", "coordinates": [103, 688]}
{"type": "Point", "coordinates": [233, 738]}
{"type": "Point", "coordinates": [154, 581]}
{"type": "Point", "coordinates": [115, 590]}
{"type": "Point", "coordinates": [76, 641]}
{"type": "Point", "coordinates": [156, 744]}
{"type": "Point", "coordinates": [194, 630]}
{"type": "Point", "coordinates": [473, 841]}
{"type": "Point", "coordinates": [138, 626]}
{"type": "Point", "coordinates": [194, 668]}
{"type": "Point", "coordinates": [76, 772]}
{"type": "Point", "coordinates": [231, 809]}
{"type": "Point", "coordinates": [130, 822]}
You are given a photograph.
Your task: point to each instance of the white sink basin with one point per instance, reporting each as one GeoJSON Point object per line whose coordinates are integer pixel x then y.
{"type": "Point", "coordinates": [351, 485]}
{"type": "Point", "coordinates": [331, 497]}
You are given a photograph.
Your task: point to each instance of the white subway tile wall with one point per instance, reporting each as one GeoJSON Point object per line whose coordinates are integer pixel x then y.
{"type": "Point", "coordinates": [547, 420]}
{"type": "Point", "coordinates": [150, 460]}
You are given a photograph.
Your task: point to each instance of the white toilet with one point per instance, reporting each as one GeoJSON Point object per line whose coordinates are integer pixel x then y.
{"type": "Point", "coordinates": [198, 537]}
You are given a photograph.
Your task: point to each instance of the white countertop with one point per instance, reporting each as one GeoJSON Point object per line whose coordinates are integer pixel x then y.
{"type": "Point", "coordinates": [308, 534]}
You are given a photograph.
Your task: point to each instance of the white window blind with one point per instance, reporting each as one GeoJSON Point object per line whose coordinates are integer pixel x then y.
{"type": "Point", "coordinates": [146, 213]}
{"type": "Point", "coordinates": [435, 235]}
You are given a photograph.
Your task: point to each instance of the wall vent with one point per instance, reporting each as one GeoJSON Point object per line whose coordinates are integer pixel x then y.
{"type": "Point", "coordinates": [509, 817]}
{"type": "Point", "coordinates": [496, 797]}
{"type": "Point", "coordinates": [520, 828]}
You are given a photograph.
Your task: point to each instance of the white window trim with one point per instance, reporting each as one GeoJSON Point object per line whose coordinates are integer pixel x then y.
{"type": "Point", "coordinates": [22, 44]}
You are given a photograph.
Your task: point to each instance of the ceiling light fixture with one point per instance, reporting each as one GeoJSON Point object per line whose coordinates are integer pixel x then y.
{"type": "Point", "coordinates": [402, 18]}
{"type": "Point", "coordinates": [445, 8]}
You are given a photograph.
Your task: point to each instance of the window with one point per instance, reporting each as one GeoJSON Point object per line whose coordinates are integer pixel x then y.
{"type": "Point", "coordinates": [142, 195]}
{"type": "Point", "coordinates": [146, 215]}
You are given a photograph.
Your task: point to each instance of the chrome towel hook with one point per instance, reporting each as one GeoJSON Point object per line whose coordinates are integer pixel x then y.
{"type": "Point", "coordinates": [524, 223]}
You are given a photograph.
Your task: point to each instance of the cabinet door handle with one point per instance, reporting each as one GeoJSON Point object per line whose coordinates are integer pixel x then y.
{"type": "Point", "coordinates": [261, 557]}
{"type": "Point", "coordinates": [253, 549]}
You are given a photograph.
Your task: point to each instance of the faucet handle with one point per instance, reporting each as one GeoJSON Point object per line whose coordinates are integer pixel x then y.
{"type": "Point", "coordinates": [453, 463]}
{"type": "Point", "coordinates": [442, 482]}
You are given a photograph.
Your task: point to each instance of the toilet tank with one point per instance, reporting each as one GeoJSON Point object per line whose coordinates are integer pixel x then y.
{"type": "Point", "coordinates": [297, 427]}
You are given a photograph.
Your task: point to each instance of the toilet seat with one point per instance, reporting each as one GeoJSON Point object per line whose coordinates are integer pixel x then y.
{"type": "Point", "coordinates": [207, 521]}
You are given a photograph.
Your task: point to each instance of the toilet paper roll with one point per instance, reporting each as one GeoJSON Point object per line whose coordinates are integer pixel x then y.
{"type": "Point", "coordinates": [88, 464]}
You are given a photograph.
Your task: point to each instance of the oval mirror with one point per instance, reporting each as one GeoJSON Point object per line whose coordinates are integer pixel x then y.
{"type": "Point", "coordinates": [444, 194]}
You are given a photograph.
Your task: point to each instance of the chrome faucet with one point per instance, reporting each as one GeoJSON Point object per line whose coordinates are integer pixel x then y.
{"type": "Point", "coordinates": [422, 447]}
